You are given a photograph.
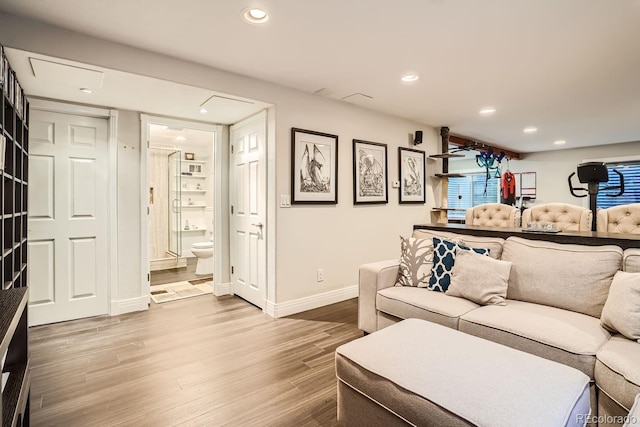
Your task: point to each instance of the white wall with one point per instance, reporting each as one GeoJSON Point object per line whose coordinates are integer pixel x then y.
{"type": "Point", "coordinates": [336, 238]}
{"type": "Point", "coordinates": [554, 167]}
{"type": "Point", "coordinates": [129, 274]}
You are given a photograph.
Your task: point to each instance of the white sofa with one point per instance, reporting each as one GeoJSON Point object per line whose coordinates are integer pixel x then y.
{"type": "Point", "coordinates": [555, 296]}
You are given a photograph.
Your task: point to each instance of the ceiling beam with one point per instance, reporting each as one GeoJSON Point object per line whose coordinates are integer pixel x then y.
{"type": "Point", "coordinates": [473, 144]}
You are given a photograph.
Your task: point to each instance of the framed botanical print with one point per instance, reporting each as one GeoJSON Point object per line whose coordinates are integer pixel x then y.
{"type": "Point", "coordinates": [412, 175]}
{"type": "Point", "coordinates": [369, 172]}
{"type": "Point", "coordinates": [314, 167]}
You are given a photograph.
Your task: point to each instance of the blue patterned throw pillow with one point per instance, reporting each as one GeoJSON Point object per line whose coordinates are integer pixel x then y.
{"type": "Point", "coordinates": [444, 257]}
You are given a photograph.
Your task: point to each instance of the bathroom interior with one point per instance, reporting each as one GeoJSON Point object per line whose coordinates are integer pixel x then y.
{"type": "Point", "coordinates": [181, 197]}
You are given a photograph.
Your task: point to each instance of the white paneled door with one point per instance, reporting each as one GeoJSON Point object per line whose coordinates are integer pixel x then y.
{"type": "Point", "coordinates": [248, 203]}
{"type": "Point", "coordinates": [67, 217]}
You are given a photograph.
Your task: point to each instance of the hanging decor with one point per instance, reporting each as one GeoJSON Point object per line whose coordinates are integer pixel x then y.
{"type": "Point", "coordinates": [491, 162]}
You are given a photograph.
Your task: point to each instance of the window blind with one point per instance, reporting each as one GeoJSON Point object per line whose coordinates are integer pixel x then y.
{"type": "Point", "coordinates": [631, 172]}
{"type": "Point", "coordinates": [468, 191]}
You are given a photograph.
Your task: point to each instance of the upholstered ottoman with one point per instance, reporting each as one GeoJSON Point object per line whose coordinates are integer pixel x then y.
{"type": "Point", "coordinates": [420, 373]}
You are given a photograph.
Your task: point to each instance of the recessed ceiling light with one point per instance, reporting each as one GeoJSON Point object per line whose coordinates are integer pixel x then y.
{"type": "Point", "coordinates": [410, 78]}
{"type": "Point", "coordinates": [203, 110]}
{"type": "Point", "coordinates": [255, 15]}
{"type": "Point", "coordinates": [85, 90]}
{"type": "Point", "coordinates": [530, 129]}
{"type": "Point", "coordinates": [560, 142]}
{"type": "Point", "coordinates": [180, 138]}
{"type": "Point", "coordinates": [487, 111]}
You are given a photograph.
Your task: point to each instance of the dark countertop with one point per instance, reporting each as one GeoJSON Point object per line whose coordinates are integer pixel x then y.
{"type": "Point", "coordinates": [592, 238]}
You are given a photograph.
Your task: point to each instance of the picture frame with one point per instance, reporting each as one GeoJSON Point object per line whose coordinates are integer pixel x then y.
{"type": "Point", "coordinates": [370, 182]}
{"type": "Point", "coordinates": [314, 167]}
{"type": "Point", "coordinates": [411, 168]}
{"type": "Point", "coordinates": [189, 156]}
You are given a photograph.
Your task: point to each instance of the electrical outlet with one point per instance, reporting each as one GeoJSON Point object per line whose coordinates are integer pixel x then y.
{"type": "Point", "coordinates": [320, 275]}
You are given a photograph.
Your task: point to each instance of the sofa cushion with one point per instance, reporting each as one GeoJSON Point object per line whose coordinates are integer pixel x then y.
{"type": "Point", "coordinates": [573, 277]}
{"type": "Point", "coordinates": [494, 244]}
{"type": "Point", "coordinates": [444, 258]}
{"type": "Point", "coordinates": [416, 260]}
{"type": "Point", "coordinates": [621, 312]}
{"type": "Point", "coordinates": [480, 279]}
{"type": "Point", "coordinates": [408, 302]}
{"type": "Point", "coordinates": [617, 370]}
{"type": "Point", "coordinates": [631, 260]}
{"type": "Point", "coordinates": [560, 335]}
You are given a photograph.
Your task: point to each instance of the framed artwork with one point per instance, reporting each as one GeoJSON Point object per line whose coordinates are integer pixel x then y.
{"type": "Point", "coordinates": [369, 172]}
{"type": "Point", "coordinates": [412, 175]}
{"type": "Point", "coordinates": [314, 167]}
{"type": "Point", "coordinates": [189, 156]}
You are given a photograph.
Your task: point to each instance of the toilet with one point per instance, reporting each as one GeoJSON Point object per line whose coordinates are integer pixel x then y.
{"type": "Point", "coordinates": [204, 252]}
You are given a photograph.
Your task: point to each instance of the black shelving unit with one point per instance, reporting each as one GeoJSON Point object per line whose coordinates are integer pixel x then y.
{"type": "Point", "coordinates": [14, 156]}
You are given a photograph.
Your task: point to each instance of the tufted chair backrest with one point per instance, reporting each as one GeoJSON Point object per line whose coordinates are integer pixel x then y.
{"type": "Point", "coordinates": [493, 215]}
{"type": "Point", "coordinates": [562, 215]}
{"type": "Point", "coordinates": [619, 219]}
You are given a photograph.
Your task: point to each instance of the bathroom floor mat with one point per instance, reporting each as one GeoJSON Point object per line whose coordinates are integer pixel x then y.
{"type": "Point", "coordinates": [203, 280]}
{"type": "Point", "coordinates": [180, 290]}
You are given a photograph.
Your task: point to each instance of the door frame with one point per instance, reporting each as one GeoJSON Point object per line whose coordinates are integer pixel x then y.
{"type": "Point", "coordinates": [218, 217]}
{"type": "Point", "coordinates": [112, 195]}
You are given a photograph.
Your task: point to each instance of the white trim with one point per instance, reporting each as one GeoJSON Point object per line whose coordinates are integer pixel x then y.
{"type": "Point", "coordinates": [145, 267]}
{"type": "Point", "coordinates": [112, 214]}
{"type": "Point", "coordinates": [309, 303]}
{"type": "Point", "coordinates": [78, 110]}
{"type": "Point", "coordinates": [220, 289]}
{"type": "Point", "coordinates": [129, 305]}
{"type": "Point", "coordinates": [271, 207]}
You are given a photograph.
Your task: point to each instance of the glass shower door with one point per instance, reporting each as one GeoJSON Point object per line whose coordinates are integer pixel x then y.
{"type": "Point", "coordinates": [175, 207]}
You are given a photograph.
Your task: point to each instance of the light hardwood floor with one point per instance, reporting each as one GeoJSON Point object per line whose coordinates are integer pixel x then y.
{"type": "Point", "coordinates": [203, 361]}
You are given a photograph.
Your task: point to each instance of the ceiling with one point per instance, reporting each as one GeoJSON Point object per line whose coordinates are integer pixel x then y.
{"type": "Point", "coordinates": [60, 79]}
{"type": "Point", "coordinates": [569, 68]}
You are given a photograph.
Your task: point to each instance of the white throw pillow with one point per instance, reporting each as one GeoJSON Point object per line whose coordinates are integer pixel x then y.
{"type": "Point", "coordinates": [479, 278]}
{"type": "Point", "coordinates": [416, 259]}
{"type": "Point", "coordinates": [621, 312]}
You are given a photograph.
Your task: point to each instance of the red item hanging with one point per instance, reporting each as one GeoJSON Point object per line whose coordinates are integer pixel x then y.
{"type": "Point", "coordinates": [508, 188]}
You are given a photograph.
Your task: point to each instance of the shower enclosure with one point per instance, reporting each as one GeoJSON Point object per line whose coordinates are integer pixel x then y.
{"type": "Point", "coordinates": [166, 208]}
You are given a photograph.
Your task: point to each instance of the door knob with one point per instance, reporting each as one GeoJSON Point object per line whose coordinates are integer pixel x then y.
{"type": "Point", "coordinates": [259, 225]}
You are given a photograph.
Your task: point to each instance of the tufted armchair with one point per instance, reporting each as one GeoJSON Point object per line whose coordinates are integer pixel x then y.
{"type": "Point", "coordinates": [562, 215]}
{"type": "Point", "coordinates": [620, 219]}
{"type": "Point", "coordinates": [493, 215]}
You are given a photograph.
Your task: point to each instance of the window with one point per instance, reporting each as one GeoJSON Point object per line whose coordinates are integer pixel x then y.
{"type": "Point", "coordinates": [469, 191]}
{"type": "Point", "coordinates": [631, 172]}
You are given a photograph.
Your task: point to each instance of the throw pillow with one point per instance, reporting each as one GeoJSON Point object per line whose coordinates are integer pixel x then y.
{"type": "Point", "coordinates": [416, 259]}
{"type": "Point", "coordinates": [444, 256]}
{"type": "Point", "coordinates": [480, 279]}
{"type": "Point", "coordinates": [621, 312]}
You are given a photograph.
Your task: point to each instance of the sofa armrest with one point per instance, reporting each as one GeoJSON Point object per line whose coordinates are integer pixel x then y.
{"type": "Point", "coordinates": [372, 278]}
{"type": "Point", "coordinates": [633, 419]}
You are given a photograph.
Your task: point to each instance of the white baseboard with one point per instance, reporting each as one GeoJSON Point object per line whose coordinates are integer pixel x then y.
{"type": "Point", "coordinates": [129, 305]}
{"type": "Point", "coordinates": [220, 289]}
{"type": "Point", "coordinates": [309, 303]}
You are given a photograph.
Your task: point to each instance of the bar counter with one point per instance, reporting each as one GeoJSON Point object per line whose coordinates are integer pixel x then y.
{"type": "Point", "coordinates": [592, 238]}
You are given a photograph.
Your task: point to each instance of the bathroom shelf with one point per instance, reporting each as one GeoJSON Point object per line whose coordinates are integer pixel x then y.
{"type": "Point", "coordinates": [193, 206]}
{"type": "Point", "coordinates": [192, 176]}
{"type": "Point", "coordinates": [194, 162]}
{"type": "Point", "coordinates": [198, 230]}
{"type": "Point", "coordinates": [191, 191]}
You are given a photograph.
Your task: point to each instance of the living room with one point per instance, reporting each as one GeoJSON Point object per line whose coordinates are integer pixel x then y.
{"type": "Point", "coordinates": [304, 236]}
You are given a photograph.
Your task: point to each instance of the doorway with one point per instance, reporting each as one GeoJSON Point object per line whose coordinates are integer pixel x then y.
{"type": "Point", "coordinates": [181, 191]}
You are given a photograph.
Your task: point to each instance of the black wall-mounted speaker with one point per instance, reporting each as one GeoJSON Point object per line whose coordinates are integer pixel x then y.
{"type": "Point", "coordinates": [418, 138]}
